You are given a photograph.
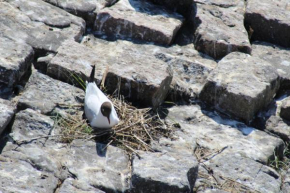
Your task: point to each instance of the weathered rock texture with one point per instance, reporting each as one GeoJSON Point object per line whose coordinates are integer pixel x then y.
{"type": "Point", "coordinates": [15, 60]}
{"type": "Point", "coordinates": [241, 85]}
{"type": "Point", "coordinates": [164, 172]}
{"type": "Point", "coordinates": [139, 77]}
{"type": "Point", "coordinates": [7, 111]}
{"type": "Point", "coordinates": [218, 30]}
{"type": "Point", "coordinates": [285, 109]}
{"type": "Point", "coordinates": [278, 57]}
{"type": "Point", "coordinates": [269, 21]}
{"type": "Point", "coordinates": [45, 94]}
{"type": "Point", "coordinates": [138, 19]}
{"type": "Point", "coordinates": [239, 149]}
{"type": "Point", "coordinates": [38, 24]}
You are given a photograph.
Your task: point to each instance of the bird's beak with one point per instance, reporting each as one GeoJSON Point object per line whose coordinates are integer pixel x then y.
{"type": "Point", "coordinates": [109, 120]}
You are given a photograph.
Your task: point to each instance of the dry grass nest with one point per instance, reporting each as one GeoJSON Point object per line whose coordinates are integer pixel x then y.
{"type": "Point", "coordinates": [136, 129]}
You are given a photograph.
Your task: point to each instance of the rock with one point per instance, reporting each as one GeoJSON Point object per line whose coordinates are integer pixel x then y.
{"type": "Point", "coordinates": [71, 185]}
{"type": "Point", "coordinates": [220, 3]}
{"type": "Point", "coordinates": [21, 176]}
{"type": "Point", "coordinates": [106, 169]}
{"type": "Point", "coordinates": [214, 133]}
{"type": "Point", "coordinates": [139, 77]}
{"type": "Point", "coordinates": [219, 31]}
{"type": "Point", "coordinates": [42, 62]}
{"type": "Point", "coordinates": [164, 172]}
{"type": "Point", "coordinates": [139, 20]}
{"type": "Point", "coordinates": [45, 94]}
{"type": "Point", "coordinates": [268, 21]}
{"type": "Point", "coordinates": [285, 109]}
{"type": "Point", "coordinates": [7, 111]}
{"type": "Point", "coordinates": [235, 170]}
{"type": "Point", "coordinates": [241, 85]}
{"type": "Point", "coordinates": [277, 56]}
{"type": "Point", "coordinates": [16, 59]}
{"type": "Point", "coordinates": [190, 69]}
{"type": "Point", "coordinates": [286, 184]}
{"type": "Point", "coordinates": [30, 124]}
{"type": "Point", "coordinates": [19, 21]}
{"type": "Point", "coordinates": [87, 9]}
{"type": "Point", "coordinates": [278, 126]}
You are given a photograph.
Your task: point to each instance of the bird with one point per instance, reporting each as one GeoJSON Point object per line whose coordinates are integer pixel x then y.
{"type": "Point", "coordinates": [99, 110]}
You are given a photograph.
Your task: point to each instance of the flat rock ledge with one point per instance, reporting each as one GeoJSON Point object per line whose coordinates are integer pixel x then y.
{"type": "Point", "coordinates": [219, 30]}
{"type": "Point", "coordinates": [164, 172]}
{"type": "Point", "coordinates": [269, 21]}
{"type": "Point", "coordinates": [7, 111]}
{"type": "Point", "coordinates": [241, 85]}
{"type": "Point", "coordinates": [135, 77]}
{"type": "Point", "coordinates": [139, 20]}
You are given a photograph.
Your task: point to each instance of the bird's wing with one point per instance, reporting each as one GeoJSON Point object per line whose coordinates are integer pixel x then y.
{"type": "Point", "coordinates": [92, 106]}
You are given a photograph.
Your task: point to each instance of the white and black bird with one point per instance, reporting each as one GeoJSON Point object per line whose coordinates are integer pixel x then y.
{"type": "Point", "coordinates": [99, 110]}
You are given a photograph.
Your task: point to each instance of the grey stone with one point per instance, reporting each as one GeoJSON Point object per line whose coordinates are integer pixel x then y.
{"type": "Point", "coordinates": [164, 172]}
{"type": "Point", "coordinates": [244, 171]}
{"type": "Point", "coordinates": [21, 176]}
{"type": "Point", "coordinates": [268, 21]}
{"type": "Point", "coordinates": [30, 124]}
{"type": "Point", "coordinates": [138, 19]}
{"type": "Point", "coordinates": [220, 3]}
{"type": "Point", "coordinates": [87, 9]}
{"type": "Point", "coordinates": [286, 183]}
{"type": "Point", "coordinates": [45, 94]}
{"type": "Point", "coordinates": [214, 133]}
{"type": "Point", "coordinates": [277, 56]}
{"type": "Point", "coordinates": [16, 59]}
{"type": "Point", "coordinates": [100, 167]}
{"type": "Point", "coordinates": [139, 77]}
{"type": "Point", "coordinates": [23, 26]}
{"type": "Point", "coordinates": [7, 110]}
{"type": "Point", "coordinates": [219, 31]}
{"type": "Point", "coordinates": [278, 126]}
{"type": "Point", "coordinates": [285, 109]}
{"type": "Point", "coordinates": [71, 185]}
{"type": "Point", "coordinates": [42, 62]}
{"type": "Point", "coordinates": [241, 85]}
{"type": "Point", "coordinates": [182, 6]}
{"type": "Point", "coordinates": [190, 69]}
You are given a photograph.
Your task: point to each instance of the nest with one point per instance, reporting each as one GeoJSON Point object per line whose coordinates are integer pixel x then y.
{"type": "Point", "coordinates": [136, 129]}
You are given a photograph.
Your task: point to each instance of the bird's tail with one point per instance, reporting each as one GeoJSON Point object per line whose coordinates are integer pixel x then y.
{"type": "Point", "coordinates": [92, 76]}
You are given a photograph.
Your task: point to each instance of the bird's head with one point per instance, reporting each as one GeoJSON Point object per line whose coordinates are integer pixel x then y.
{"type": "Point", "coordinates": [106, 110]}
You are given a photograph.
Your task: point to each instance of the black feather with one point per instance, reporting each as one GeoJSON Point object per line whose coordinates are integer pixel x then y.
{"type": "Point", "coordinates": [92, 76]}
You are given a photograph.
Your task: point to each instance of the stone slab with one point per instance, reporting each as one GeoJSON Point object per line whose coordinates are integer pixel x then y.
{"type": "Point", "coordinates": [7, 111]}
{"type": "Point", "coordinates": [45, 94]}
{"type": "Point", "coordinates": [15, 60]}
{"type": "Point", "coordinates": [268, 21]}
{"type": "Point", "coordinates": [138, 19]}
{"type": "Point", "coordinates": [218, 30]}
{"type": "Point", "coordinates": [164, 172]}
{"type": "Point", "coordinates": [140, 77]}
{"type": "Point", "coordinates": [241, 85]}
{"type": "Point", "coordinates": [277, 56]}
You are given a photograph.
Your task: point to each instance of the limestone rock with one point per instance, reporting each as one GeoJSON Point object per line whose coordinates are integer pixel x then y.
{"type": "Point", "coordinates": [140, 77]}
{"type": "Point", "coordinates": [16, 58]}
{"type": "Point", "coordinates": [285, 109]}
{"type": "Point", "coordinates": [21, 176]}
{"type": "Point", "coordinates": [277, 56]}
{"type": "Point", "coordinates": [71, 185]}
{"type": "Point", "coordinates": [138, 19]}
{"type": "Point", "coordinates": [241, 85]}
{"type": "Point", "coordinates": [214, 133]}
{"type": "Point", "coordinates": [268, 21]}
{"type": "Point", "coordinates": [7, 111]}
{"type": "Point", "coordinates": [164, 172]}
{"type": "Point", "coordinates": [28, 24]}
{"type": "Point", "coordinates": [189, 67]}
{"type": "Point", "coordinates": [244, 171]}
{"type": "Point", "coordinates": [106, 169]}
{"type": "Point", "coordinates": [219, 31]}
{"type": "Point", "coordinates": [87, 9]}
{"type": "Point", "coordinates": [278, 126]}
{"type": "Point", "coordinates": [286, 185]}
{"type": "Point", "coordinates": [45, 94]}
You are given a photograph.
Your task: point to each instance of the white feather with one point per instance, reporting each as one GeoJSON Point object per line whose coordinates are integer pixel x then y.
{"type": "Point", "coordinates": [93, 101]}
